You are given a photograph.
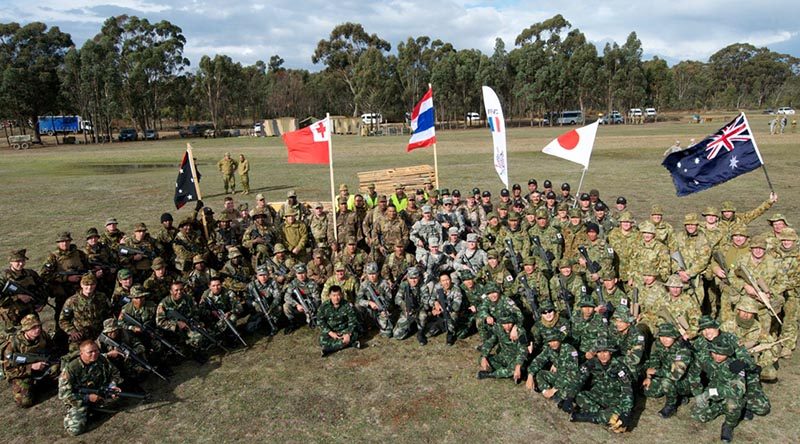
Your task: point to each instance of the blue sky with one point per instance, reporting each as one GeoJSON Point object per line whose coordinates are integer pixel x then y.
{"type": "Point", "coordinates": [255, 30]}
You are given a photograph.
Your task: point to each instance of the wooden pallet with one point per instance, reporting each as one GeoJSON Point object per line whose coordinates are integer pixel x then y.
{"type": "Point", "coordinates": [412, 177]}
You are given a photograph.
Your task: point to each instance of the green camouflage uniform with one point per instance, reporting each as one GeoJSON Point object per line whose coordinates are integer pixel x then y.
{"type": "Point", "coordinates": [227, 302]}
{"type": "Point", "coordinates": [573, 284]}
{"type": "Point", "coordinates": [630, 345]}
{"type": "Point", "coordinates": [609, 391]}
{"type": "Point", "coordinates": [565, 378]}
{"type": "Point", "coordinates": [59, 287]}
{"type": "Point", "coordinates": [158, 287]}
{"type": "Point", "coordinates": [12, 309]}
{"type": "Point", "coordinates": [146, 315]}
{"type": "Point", "coordinates": [394, 267]}
{"type": "Point", "coordinates": [671, 378]}
{"type": "Point", "coordinates": [504, 307]}
{"type": "Point", "coordinates": [724, 394]}
{"type": "Point", "coordinates": [624, 245]}
{"type": "Point", "coordinates": [508, 353]}
{"type": "Point", "coordinates": [471, 298]}
{"type": "Point", "coordinates": [542, 326]}
{"type": "Point", "coordinates": [586, 331]}
{"type": "Point", "coordinates": [185, 248]}
{"type": "Point", "coordinates": [770, 271]}
{"type": "Point", "coordinates": [731, 254]}
{"type": "Point", "coordinates": [341, 319]}
{"type": "Point", "coordinates": [75, 375]}
{"type": "Point", "coordinates": [696, 251]}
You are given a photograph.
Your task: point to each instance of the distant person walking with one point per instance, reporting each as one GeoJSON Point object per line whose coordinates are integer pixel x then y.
{"type": "Point", "coordinates": [244, 174]}
{"type": "Point", "coordinates": [772, 124]}
{"type": "Point", "coordinates": [227, 167]}
{"type": "Point", "coordinates": [783, 124]}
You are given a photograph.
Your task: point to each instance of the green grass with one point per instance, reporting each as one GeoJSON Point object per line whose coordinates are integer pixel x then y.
{"type": "Point", "coordinates": [280, 389]}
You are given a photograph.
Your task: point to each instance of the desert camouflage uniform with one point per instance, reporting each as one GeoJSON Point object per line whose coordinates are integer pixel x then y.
{"type": "Point", "coordinates": [12, 309]}
{"type": "Point", "coordinates": [651, 255]}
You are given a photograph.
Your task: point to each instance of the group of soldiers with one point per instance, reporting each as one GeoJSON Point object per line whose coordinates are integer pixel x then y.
{"type": "Point", "coordinates": [579, 300]}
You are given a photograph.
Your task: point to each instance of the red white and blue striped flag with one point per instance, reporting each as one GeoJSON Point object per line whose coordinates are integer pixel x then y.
{"type": "Point", "coordinates": [423, 130]}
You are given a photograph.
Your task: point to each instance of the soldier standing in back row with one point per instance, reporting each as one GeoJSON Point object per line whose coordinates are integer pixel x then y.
{"type": "Point", "coordinates": [227, 167]}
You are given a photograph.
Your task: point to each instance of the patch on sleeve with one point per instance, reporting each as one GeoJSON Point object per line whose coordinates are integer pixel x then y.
{"type": "Point", "coordinates": [509, 278]}
{"type": "Point", "coordinates": [713, 392]}
{"type": "Point", "coordinates": [621, 373]}
{"type": "Point", "coordinates": [610, 251]}
{"type": "Point", "coordinates": [741, 374]}
{"type": "Point", "coordinates": [574, 354]}
{"type": "Point", "coordinates": [623, 301]}
{"type": "Point", "coordinates": [678, 358]}
{"type": "Point", "coordinates": [640, 338]}
{"type": "Point", "coordinates": [563, 329]}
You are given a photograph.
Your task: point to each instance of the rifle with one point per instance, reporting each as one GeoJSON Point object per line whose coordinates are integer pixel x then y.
{"type": "Point", "coordinates": [683, 327]}
{"type": "Point", "coordinates": [532, 296]}
{"type": "Point", "coordinates": [543, 255]}
{"type": "Point", "coordinates": [591, 265]}
{"type": "Point", "coordinates": [411, 304]}
{"type": "Point", "coordinates": [220, 315]}
{"type": "Point", "coordinates": [445, 306]}
{"type": "Point", "coordinates": [195, 326]}
{"type": "Point", "coordinates": [449, 249]}
{"type": "Point", "coordinates": [19, 359]}
{"type": "Point", "coordinates": [635, 308]}
{"type": "Point", "coordinates": [747, 276]}
{"type": "Point", "coordinates": [383, 307]}
{"type": "Point", "coordinates": [152, 332]}
{"type": "Point", "coordinates": [397, 282]}
{"type": "Point", "coordinates": [720, 258]}
{"type": "Point", "coordinates": [256, 295]}
{"type": "Point", "coordinates": [129, 354]}
{"type": "Point", "coordinates": [107, 392]}
{"type": "Point", "coordinates": [761, 347]}
{"type": "Point", "coordinates": [309, 307]}
{"type": "Point", "coordinates": [565, 294]}
{"type": "Point", "coordinates": [12, 288]}
{"type": "Point", "coordinates": [431, 271]}
{"type": "Point", "coordinates": [125, 250]}
{"type": "Point", "coordinates": [279, 270]}
{"type": "Point", "coordinates": [352, 270]}
{"type": "Point", "coordinates": [512, 255]}
{"type": "Point", "coordinates": [678, 258]}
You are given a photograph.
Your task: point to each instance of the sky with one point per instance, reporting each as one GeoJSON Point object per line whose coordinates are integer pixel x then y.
{"type": "Point", "coordinates": [248, 31]}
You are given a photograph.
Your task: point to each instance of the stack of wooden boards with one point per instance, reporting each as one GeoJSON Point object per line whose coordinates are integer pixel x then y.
{"type": "Point", "coordinates": [412, 177]}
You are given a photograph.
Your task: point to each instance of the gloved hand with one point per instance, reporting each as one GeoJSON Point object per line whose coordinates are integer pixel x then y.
{"type": "Point", "coordinates": [199, 205]}
{"type": "Point", "coordinates": [701, 400]}
{"type": "Point", "coordinates": [737, 365]}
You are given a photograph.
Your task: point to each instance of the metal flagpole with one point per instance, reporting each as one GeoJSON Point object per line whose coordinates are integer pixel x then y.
{"type": "Point", "coordinates": [334, 205]}
{"type": "Point", "coordinates": [197, 187]}
{"type": "Point", "coordinates": [758, 152]}
{"type": "Point", "coordinates": [578, 193]}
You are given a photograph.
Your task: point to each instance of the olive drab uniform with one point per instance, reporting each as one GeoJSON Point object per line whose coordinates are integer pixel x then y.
{"type": "Point", "coordinates": [186, 307]}
{"type": "Point", "coordinates": [295, 236]}
{"type": "Point", "coordinates": [12, 309]}
{"type": "Point", "coordinates": [508, 353]}
{"type": "Point", "coordinates": [244, 174]}
{"type": "Point", "coordinates": [22, 378]}
{"type": "Point", "coordinates": [341, 320]}
{"type": "Point", "coordinates": [76, 375]}
{"type": "Point", "coordinates": [84, 315]}
{"type": "Point", "coordinates": [227, 166]}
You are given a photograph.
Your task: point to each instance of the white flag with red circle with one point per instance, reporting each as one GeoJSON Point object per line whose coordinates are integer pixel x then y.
{"type": "Point", "coordinates": [575, 145]}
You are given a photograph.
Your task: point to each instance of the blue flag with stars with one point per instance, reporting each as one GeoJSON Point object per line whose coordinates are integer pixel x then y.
{"type": "Point", "coordinates": [185, 188]}
{"type": "Point", "coordinates": [728, 153]}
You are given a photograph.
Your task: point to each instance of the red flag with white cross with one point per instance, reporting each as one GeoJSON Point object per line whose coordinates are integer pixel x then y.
{"type": "Point", "coordinates": [310, 144]}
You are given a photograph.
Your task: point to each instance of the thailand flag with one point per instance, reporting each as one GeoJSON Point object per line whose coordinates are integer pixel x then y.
{"type": "Point", "coordinates": [423, 131]}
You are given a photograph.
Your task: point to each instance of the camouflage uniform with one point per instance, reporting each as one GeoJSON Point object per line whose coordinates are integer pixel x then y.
{"type": "Point", "coordinates": [624, 245]}
{"type": "Point", "coordinates": [382, 319]}
{"type": "Point", "coordinates": [730, 254]}
{"type": "Point", "coordinates": [630, 343]}
{"type": "Point", "coordinates": [556, 369]}
{"type": "Point", "coordinates": [186, 247]}
{"type": "Point", "coordinates": [652, 255]}
{"type": "Point", "coordinates": [419, 295]}
{"type": "Point", "coordinates": [751, 334]}
{"type": "Point", "coordinates": [186, 307]}
{"type": "Point", "coordinates": [244, 174]}
{"type": "Point", "coordinates": [227, 167]}
{"type": "Point", "coordinates": [319, 226]}
{"type": "Point", "coordinates": [391, 232]}
{"type": "Point", "coordinates": [75, 375]}
{"type": "Point", "coordinates": [12, 309]}
{"type": "Point", "coordinates": [586, 330]}
{"type": "Point", "coordinates": [504, 307]}
{"type": "Point", "coordinates": [543, 327]}
{"type": "Point", "coordinates": [573, 284]}
{"type": "Point", "coordinates": [319, 273]}
{"type": "Point", "coordinates": [252, 241]}
{"type": "Point", "coordinates": [725, 392]}
{"type": "Point", "coordinates": [140, 268]}
{"type": "Point", "coordinates": [128, 368]}
{"type": "Point", "coordinates": [767, 270]}
{"type": "Point", "coordinates": [60, 288]}
{"type": "Point", "coordinates": [508, 353]}
{"type": "Point", "coordinates": [84, 315]}
{"type": "Point", "coordinates": [610, 390]}
{"type": "Point", "coordinates": [454, 300]}
{"type": "Point", "coordinates": [790, 262]}
{"type": "Point", "coordinates": [228, 303]}
{"type": "Point", "coordinates": [394, 267]}
{"type": "Point", "coordinates": [146, 315]}
{"type": "Point", "coordinates": [341, 320]}
{"type": "Point", "coordinates": [21, 377]}
{"type": "Point", "coordinates": [309, 289]}
{"type": "Point", "coordinates": [349, 288]}
{"type": "Point", "coordinates": [671, 364]}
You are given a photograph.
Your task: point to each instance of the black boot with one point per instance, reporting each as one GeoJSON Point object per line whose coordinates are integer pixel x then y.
{"type": "Point", "coordinates": [726, 435]}
{"type": "Point", "coordinates": [567, 405]}
{"type": "Point", "coordinates": [669, 409]}
{"type": "Point", "coordinates": [484, 375]}
{"type": "Point", "coordinates": [584, 417]}
{"type": "Point", "coordinates": [748, 415]}
{"type": "Point", "coordinates": [451, 339]}
{"type": "Point", "coordinates": [421, 337]}
{"type": "Point", "coordinates": [326, 351]}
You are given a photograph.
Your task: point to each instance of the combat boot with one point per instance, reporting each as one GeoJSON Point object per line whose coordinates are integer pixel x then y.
{"type": "Point", "coordinates": [567, 405]}
{"type": "Point", "coordinates": [421, 337]}
{"type": "Point", "coordinates": [584, 417]}
{"type": "Point", "coordinates": [451, 339]}
{"type": "Point", "coordinates": [484, 375]}
{"type": "Point", "coordinates": [669, 409]}
{"type": "Point", "coordinates": [726, 435]}
{"type": "Point", "coordinates": [326, 351]}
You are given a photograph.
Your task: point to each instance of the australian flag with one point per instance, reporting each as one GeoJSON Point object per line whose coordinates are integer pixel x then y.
{"type": "Point", "coordinates": [185, 188]}
{"type": "Point", "coordinates": [728, 153]}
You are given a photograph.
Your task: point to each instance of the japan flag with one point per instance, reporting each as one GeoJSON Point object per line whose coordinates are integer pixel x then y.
{"type": "Point", "coordinates": [575, 146]}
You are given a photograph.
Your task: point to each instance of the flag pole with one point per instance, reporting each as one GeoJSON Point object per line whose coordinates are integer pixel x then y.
{"type": "Point", "coordinates": [197, 187]}
{"type": "Point", "coordinates": [758, 153]}
{"type": "Point", "coordinates": [578, 193]}
{"type": "Point", "coordinates": [435, 155]}
{"type": "Point", "coordinates": [334, 206]}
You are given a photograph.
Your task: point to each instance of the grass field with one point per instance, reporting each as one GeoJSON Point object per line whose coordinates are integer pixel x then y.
{"type": "Point", "coordinates": [280, 390]}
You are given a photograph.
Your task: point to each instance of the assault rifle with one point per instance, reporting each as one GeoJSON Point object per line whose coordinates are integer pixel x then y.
{"type": "Point", "coordinates": [12, 288]}
{"type": "Point", "coordinates": [279, 270]}
{"type": "Point", "coordinates": [565, 295]}
{"type": "Point", "coordinates": [222, 316]}
{"type": "Point", "coordinates": [129, 354]}
{"type": "Point", "coordinates": [760, 287]}
{"type": "Point", "coordinates": [531, 295]}
{"type": "Point", "coordinates": [108, 392]}
{"type": "Point", "coordinates": [591, 265]}
{"type": "Point", "coordinates": [444, 304]}
{"type": "Point", "coordinates": [397, 282]}
{"type": "Point", "coordinates": [19, 359]}
{"type": "Point", "coordinates": [309, 306]}
{"type": "Point", "coordinates": [194, 326]}
{"type": "Point", "coordinates": [375, 296]}
{"type": "Point", "coordinates": [678, 258]}
{"type": "Point", "coordinates": [512, 255]}
{"type": "Point", "coordinates": [723, 264]}
{"type": "Point", "coordinates": [152, 332]}
{"type": "Point", "coordinates": [125, 250]}
{"type": "Point", "coordinates": [259, 299]}
{"type": "Point", "coordinates": [411, 304]}
{"type": "Point", "coordinates": [542, 253]}
{"type": "Point", "coordinates": [635, 307]}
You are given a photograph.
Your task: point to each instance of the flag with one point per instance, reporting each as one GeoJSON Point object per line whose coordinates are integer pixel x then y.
{"type": "Point", "coordinates": [310, 144]}
{"type": "Point", "coordinates": [728, 153]}
{"type": "Point", "coordinates": [185, 188]}
{"type": "Point", "coordinates": [575, 146]}
{"type": "Point", "coordinates": [497, 126]}
{"type": "Point", "coordinates": [423, 130]}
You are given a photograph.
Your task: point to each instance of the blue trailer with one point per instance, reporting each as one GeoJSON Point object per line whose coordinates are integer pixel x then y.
{"type": "Point", "coordinates": [63, 124]}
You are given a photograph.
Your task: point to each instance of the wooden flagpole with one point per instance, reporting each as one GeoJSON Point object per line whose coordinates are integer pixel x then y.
{"type": "Point", "coordinates": [197, 187]}
{"type": "Point", "coordinates": [334, 205]}
{"type": "Point", "coordinates": [435, 155]}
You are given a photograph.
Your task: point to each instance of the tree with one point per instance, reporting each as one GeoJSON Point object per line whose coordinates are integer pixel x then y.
{"type": "Point", "coordinates": [660, 86]}
{"type": "Point", "coordinates": [215, 78]}
{"type": "Point", "coordinates": [30, 59]}
{"type": "Point", "coordinates": [692, 85]}
{"type": "Point", "coordinates": [342, 51]}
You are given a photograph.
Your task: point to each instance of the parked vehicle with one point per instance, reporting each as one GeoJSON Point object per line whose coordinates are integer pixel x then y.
{"type": "Point", "coordinates": [51, 125]}
{"type": "Point", "coordinates": [650, 112]}
{"type": "Point", "coordinates": [786, 110]}
{"type": "Point", "coordinates": [258, 130]}
{"type": "Point", "coordinates": [635, 112]}
{"type": "Point", "coordinates": [128, 135]}
{"type": "Point", "coordinates": [570, 118]}
{"type": "Point", "coordinates": [614, 117]}
{"type": "Point", "coordinates": [473, 117]}
{"type": "Point", "coordinates": [371, 118]}
{"type": "Point", "coordinates": [150, 134]}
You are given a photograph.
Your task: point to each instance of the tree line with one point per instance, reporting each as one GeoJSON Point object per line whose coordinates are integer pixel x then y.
{"type": "Point", "coordinates": [134, 71]}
